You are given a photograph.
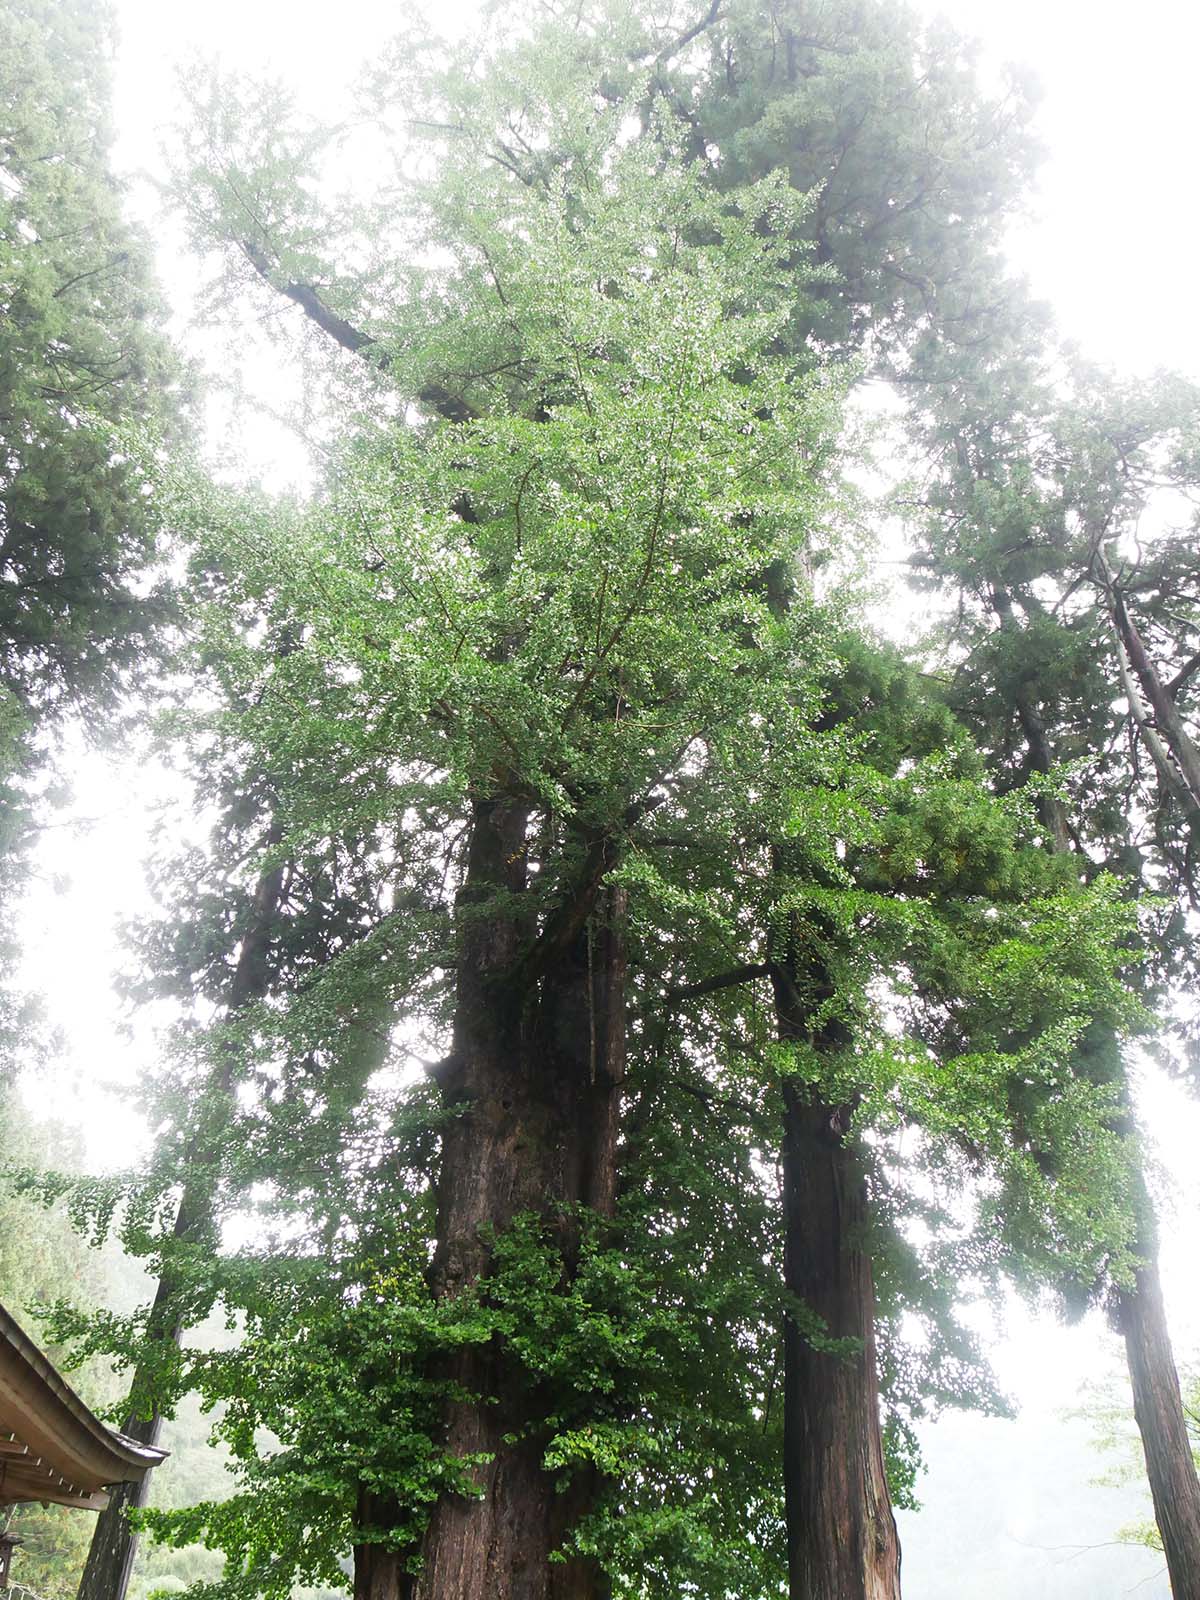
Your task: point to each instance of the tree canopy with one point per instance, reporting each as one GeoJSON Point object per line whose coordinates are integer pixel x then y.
{"type": "Point", "coordinates": [623, 1004]}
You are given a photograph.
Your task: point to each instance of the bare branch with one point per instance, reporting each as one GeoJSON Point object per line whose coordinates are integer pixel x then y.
{"type": "Point", "coordinates": [310, 302]}
{"type": "Point", "coordinates": [720, 980]}
{"type": "Point", "coordinates": [437, 396]}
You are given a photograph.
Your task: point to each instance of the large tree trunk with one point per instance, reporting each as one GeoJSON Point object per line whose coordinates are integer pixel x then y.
{"type": "Point", "coordinates": [841, 1534]}
{"type": "Point", "coordinates": [537, 1063]}
{"type": "Point", "coordinates": [1158, 1407]}
{"type": "Point", "coordinates": [842, 1542]}
{"type": "Point", "coordinates": [1141, 1316]}
{"type": "Point", "coordinates": [114, 1543]}
{"type": "Point", "coordinates": [111, 1553]}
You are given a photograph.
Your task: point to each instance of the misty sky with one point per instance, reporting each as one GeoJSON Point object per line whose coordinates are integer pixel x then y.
{"type": "Point", "coordinates": [1111, 242]}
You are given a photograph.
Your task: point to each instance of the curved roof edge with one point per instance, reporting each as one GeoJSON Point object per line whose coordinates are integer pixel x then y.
{"type": "Point", "coordinates": [58, 1436]}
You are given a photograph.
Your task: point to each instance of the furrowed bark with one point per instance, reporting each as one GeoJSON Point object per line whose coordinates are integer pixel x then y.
{"type": "Point", "coordinates": [841, 1534]}
{"type": "Point", "coordinates": [536, 1068]}
{"type": "Point", "coordinates": [111, 1553]}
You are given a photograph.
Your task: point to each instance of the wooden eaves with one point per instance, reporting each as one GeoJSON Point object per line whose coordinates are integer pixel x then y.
{"type": "Point", "coordinates": [52, 1448]}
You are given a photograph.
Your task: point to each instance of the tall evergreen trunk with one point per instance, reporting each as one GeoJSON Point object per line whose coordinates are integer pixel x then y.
{"type": "Point", "coordinates": [1140, 1313]}
{"type": "Point", "coordinates": [841, 1534]}
{"type": "Point", "coordinates": [111, 1553]}
{"type": "Point", "coordinates": [1158, 1408]}
{"type": "Point", "coordinates": [536, 1067]}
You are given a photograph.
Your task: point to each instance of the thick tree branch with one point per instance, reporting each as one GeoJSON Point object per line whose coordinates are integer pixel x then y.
{"type": "Point", "coordinates": [310, 302]}
{"type": "Point", "coordinates": [1184, 676]}
{"type": "Point", "coordinates": [681, 41]}
{"type": "Point", "coordinates": [1144, 724]}
{"type": "Point", "coordinates": [1033, 726]}
{"type": "Point", "coordinates": [694, 32]}
{"type": "Point", "coordinates": [710, 1099]}
{"type": "Point", "coordinates": [720, 980]}
{"type": "Point", "coordinates": [564, 924]}
{"type": "Point", "coordinates": [444, 401]}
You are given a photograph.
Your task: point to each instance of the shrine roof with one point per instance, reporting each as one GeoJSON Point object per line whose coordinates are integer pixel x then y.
{"type": "Point", "coordinates": [52, 1447]}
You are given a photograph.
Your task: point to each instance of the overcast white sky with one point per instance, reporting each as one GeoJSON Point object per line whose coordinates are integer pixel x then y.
{"type": "Point", "coordinates": [1113, 246]}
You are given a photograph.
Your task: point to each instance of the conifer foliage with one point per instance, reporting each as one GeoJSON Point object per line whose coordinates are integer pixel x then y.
{"type": "Point", "coordinates": [82, 357]}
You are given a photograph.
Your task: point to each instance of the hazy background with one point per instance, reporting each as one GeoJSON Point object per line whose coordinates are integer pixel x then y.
{"type": "Point", "coordinates": [1011, 1511]}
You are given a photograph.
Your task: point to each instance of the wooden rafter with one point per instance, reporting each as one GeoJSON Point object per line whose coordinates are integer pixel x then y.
{"type": "Point", "coordinates": [52, 1447]}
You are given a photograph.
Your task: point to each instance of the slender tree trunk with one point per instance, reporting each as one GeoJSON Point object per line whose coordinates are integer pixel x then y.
{"type": "Point", "coordinates": [380, 1573]}
{"type": "Point", "coordinates": [1170, 725]}
{"type": "Point", "coordinates": [536, 1070]}
{"type": "Point", "coordinates": [1158, 1408]}
{"type": "Point", "coordinates": [114, 1544]}
{"type": "Point", "coordinates": [1140, 1314]}
{"type": "Point", "coordinates": [841, 1534]}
